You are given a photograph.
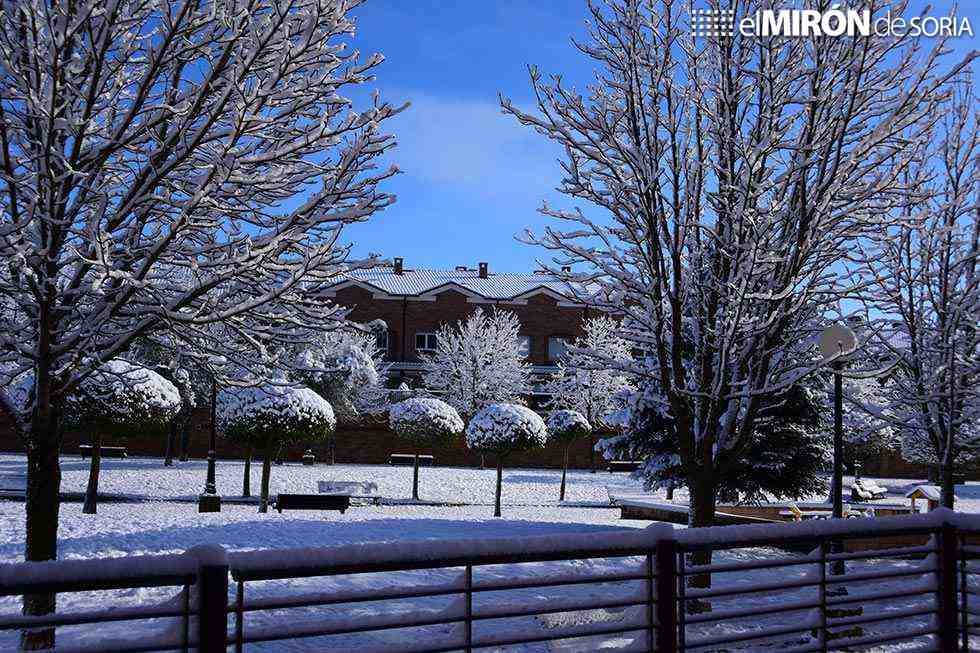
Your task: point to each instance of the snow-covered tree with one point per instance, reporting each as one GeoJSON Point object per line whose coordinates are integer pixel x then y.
{"type": "Point", "coordinates": [169, 166]}
{"type": "Point", "coordinates": [923, 298]}
{"type": "Point", "coordinates": [730, 175]}
{"type": "Point", "coordinates": [119, 398]}
{"type": "Point", "coordinates": [271, 416]}
{"type": "Point", "coordinates": [565, 427]}
{"type": "Point", "coordinates": [345, 366]}
{"type": "Point", "coordinates": [593, 376]}
{"type": "Point", "coordinates": [501, 429]}
{"type": "Point", "coordinates": [479, 361]}
{"type": "Point", "coordinates": [424, 421]}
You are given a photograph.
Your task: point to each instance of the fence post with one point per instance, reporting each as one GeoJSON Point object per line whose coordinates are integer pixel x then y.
{"type": "Point", "coordinates": [212, 616]}
{"type": "Point", "coordinates": [948, 608]}
{"type": "Point", "coordinates": [666, 582]}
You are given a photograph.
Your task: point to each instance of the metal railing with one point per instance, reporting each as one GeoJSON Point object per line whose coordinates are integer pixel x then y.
{"type": "Point", "coordinates": [799, 587]}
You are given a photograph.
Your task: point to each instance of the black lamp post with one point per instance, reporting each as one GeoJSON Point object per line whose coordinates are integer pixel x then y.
{"type": "Point", "coordinates": [835, 341]}
{"type": "Point", "coordinates": [209, 501]}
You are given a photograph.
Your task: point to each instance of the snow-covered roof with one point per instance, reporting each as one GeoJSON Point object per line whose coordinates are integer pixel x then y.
{"type": "Point", "coordinates": [930, 492]}
{"type": "Point", "coordinates": [495, 286]}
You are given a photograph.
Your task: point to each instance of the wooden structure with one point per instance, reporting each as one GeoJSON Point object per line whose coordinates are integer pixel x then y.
{"type": "Point", "coordinates": [930, 493]}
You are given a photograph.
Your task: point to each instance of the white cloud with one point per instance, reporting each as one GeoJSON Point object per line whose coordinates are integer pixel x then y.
{"type": "Point", "coordinates": [471, 145]}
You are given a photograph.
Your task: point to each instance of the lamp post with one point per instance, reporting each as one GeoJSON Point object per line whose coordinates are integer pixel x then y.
{"type": "Point", "coordinates": [835, 341]}
{"type": "Point", "coordinates": [209, 501]}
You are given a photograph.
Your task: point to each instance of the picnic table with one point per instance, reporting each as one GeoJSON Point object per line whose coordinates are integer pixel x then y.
{"type": "Point", "coordinates": [425, 460]}
{"type": "Point", "coordinates": [623, 465]}
{"type": "Point", "coordinates": [106, 452]}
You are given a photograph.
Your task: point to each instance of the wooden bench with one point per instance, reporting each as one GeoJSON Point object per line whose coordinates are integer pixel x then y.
{"type": "Point", "coordinates": [353, 489]}
{"type": "Point", "coordinates": [623, 465]}
{"type": "Point", "coordinates": [425, 460]}
{"type": "Point", "coordinates": [339, 502]}
{"type": "Point", "coordinates": [107, 452]}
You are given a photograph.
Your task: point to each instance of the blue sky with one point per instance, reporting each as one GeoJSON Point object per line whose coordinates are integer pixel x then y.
{"type": "Point", "coordinates": [473, 178]}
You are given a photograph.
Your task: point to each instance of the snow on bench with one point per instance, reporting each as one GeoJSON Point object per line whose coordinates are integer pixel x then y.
{"type": "Point", "coordinates": [106, 452]}
{"type": "Point", "coordinates": [409, 459]}
{"type": "Point", "coordinates": [352, 489]}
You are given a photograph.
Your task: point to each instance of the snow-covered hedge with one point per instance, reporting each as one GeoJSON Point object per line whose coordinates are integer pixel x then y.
{"type": "Point", "coordinates": [425, 420]}
{"type": "Point", "coordinates": [125, 396]}
{"type": "Point", "coordinates": [274, 413]}
{"type": "Point", "coordinates": [567, 425]}
{"type": "Point", "coordinates": [501, 428]}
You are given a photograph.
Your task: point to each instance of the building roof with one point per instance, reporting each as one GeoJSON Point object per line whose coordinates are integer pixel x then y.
{"type": "Point", "coordinates": [930, 492]}
{"type": "Point", "coordinates": [495, 286]}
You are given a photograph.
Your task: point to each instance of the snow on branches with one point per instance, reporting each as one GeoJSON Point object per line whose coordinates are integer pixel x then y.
{"type": "Point", "coordinates": [923, 298]}
{"type": "Point", "coordinates": [425, 420]}
{"type": "Point", "coordinates": [274, 414]}
{"type": "Point", "coordinates": [720, 227]}
{"type": "Point", "coordinates": [122, 394]}
{"type": "Point", "coordinates": [503, 428]}
{"type": "Point", "coordinates": [567, 425]}
{"type": "Point", "coordinates": [342, 365]}
{"type": "Point", "coordinates": [593, 374]}
{"type": "Point", "coordinates": [479, 361]}
{"type": "Point", "coordinates": [177, 138]}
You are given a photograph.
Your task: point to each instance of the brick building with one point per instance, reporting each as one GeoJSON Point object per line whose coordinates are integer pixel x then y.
{"type": "Point", "coordinates": [414, 304]}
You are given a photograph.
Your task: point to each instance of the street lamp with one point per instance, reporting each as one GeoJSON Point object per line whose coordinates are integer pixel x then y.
{"type": "Point", "coordinates": [209, 501]}
{"type": "Point", "coordinates": [836, 341]}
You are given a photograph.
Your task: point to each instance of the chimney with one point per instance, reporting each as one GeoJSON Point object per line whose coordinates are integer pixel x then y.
{"type": "Point", "coordinates": [484, 272]}
{"type": "Point", "coordinates": [566, 269]}
{"type": "Point", "coordinates": [399, 265]}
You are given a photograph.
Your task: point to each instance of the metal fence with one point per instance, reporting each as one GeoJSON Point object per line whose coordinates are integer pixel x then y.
{"type": "Point", "coordinates": [799, 587]}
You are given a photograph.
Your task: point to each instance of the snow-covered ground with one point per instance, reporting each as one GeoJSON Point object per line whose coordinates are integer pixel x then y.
{"type": "Point", "coordinates": [464, 497]}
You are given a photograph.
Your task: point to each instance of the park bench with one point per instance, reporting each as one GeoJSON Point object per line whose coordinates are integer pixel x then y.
{"type": "Point", "coordinates": [623, 465]}
{"type": "Point", "coordinates": [353, 489]}
{"type": "Point", "coordinates": [425, 460]}
{"type": "Point", "coordinates": [862, 490]}
{"type": "Point", "coordinates": [339, 502]}
{"type": "Point", "coordinates": [107, 452]}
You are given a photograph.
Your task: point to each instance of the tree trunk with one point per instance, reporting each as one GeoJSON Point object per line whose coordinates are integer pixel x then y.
{"type": "Point", "coordinates": [564, 470]}
{"type": "Point", "coordinates": [500, 475]}
{"type": "Point", "coordinates": [702, 513]}
{"type": "Point", "coordinates": [42, 505]}
{"type": "Point", "coordinates": [266, 472]}
{"type": "Point", "coordinates": [592, 453]}
{"type": "Point", "coordinates": [946, 479]}
{"type": "Point", "coordinates": [670, 491]}
{"type": "Point", "coordinates": [185, 439]}
{"type": "Point", "coordinates": [91, 506]}
{"type": "Point", "coordinates": [279, 455]}
{"type": "Point", "coordinates": [415, 479]}
{"type": "Point", "coordinates": [168, 456]}
{"type": "Point", "coordinates": [247, 478]}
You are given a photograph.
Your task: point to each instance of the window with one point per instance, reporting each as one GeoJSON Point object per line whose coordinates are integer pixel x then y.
{"type": "Point", "coordinates": [425, 341]}
{"type": "Point", "coordinates": [557, 346]}
{"type": "Point", "coordinates": [382, 340]}
{"type": "Point", "coordinates": [525, 346]}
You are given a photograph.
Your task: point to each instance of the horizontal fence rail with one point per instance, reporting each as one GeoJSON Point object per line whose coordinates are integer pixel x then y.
{"type": "Point", "coordinates": [910, 583]}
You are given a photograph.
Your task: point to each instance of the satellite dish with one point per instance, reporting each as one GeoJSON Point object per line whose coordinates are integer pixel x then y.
{"type": "Point", "coordinates": [837, 339]}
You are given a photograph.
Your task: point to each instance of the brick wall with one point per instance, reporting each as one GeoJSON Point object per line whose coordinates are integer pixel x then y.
{"type": "Point", "coordinates": [361, 444]}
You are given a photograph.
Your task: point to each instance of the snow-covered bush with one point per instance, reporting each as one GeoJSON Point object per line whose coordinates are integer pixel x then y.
{"type": "Point", "coordinates": [119, 398]}
{"type": "Point", "coordinates": [564, 428]}
{"type": "Point", "coordinates": [424, 421]}
{"type": "Point", "coordinates": [123, 397]}
{"type": "Point", "coordinates": [479, 361]}
{"type": "Point", "coordinates": [273, 415]}
{"type": "Point", "coordinates": [502, 429]}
